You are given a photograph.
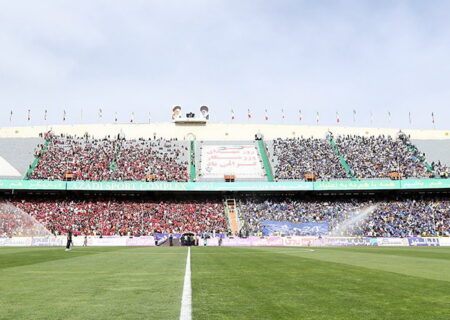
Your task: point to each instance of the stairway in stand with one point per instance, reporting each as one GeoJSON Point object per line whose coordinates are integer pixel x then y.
{"type": "Point", "coordinates": [232, 215]}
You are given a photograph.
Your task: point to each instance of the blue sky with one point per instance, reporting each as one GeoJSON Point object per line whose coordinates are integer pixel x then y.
{"type": "Point", "coordinates": [147, 56]}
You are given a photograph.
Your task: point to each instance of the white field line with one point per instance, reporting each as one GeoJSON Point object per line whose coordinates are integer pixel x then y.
{"type": "Point", "coordinates": [186, 300]}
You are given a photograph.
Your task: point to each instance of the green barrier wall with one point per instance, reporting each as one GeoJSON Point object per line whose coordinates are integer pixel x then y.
{"type": "Point", "coordinates": [223, 186]}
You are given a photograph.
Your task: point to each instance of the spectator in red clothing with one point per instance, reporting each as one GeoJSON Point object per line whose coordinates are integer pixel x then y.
{"type": "Point", "coordinates": [122, 217]}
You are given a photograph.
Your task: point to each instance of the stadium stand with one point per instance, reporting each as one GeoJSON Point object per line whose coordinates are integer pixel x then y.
{"type": "Point", "coordinates": [71, 157]}
{"type": "Point", "coordinates": [297, 157]}
{"type": "Point", "coordinates": [84, 158]}
{"type": "Point", "coordinates": [379, 156]}
{"type": "Point", "coordinates": [111, 216]}
{"type": "Point", "coordinates": [391, 217]}
{"type": "Point", "coordinates": [321, 157]}
{"type": "Point", "coordinates": [102, 215]}
{"type": "Point", "coordinates": [156, 160]}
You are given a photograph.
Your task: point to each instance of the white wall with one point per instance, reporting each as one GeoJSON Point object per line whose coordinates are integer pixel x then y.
{"type": "Point", "coordinates": [211, 131]}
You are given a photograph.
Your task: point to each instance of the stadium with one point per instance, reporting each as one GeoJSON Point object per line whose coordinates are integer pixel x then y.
{"type": "Point", "coordinates": [191, 219]}
{"type": "Point", "coordinates": [238, 160]}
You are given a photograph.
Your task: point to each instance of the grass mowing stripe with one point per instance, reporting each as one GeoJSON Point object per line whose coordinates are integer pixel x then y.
{"type": "Point", "coordinates": [281, 286]}
{"type": "Point", "coordinates": [186, 300]}
{"type": "Point", "coordinates": [36, 256]}
{"type": "Point", "coordinates": [113, 285]}
{"type": "Point", "coordinates": [423, 252]}
{"type": "Point", "coordinates": [412, 265]}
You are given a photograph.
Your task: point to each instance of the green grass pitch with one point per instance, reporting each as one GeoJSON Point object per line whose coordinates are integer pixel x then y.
{"type": "Point", "coordinates": [227, 283]}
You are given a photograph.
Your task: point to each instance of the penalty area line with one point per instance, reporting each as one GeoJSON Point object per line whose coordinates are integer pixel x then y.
{"type": "Point", "coordinates": [186, 300]}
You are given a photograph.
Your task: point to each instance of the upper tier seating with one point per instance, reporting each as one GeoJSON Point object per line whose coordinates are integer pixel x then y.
{"type": "Point", "coordinates": [377, 157]}
{"type": "Point", "coordinates": [106, 159]}
{"type": "Point", "coordinates": [293, 158]}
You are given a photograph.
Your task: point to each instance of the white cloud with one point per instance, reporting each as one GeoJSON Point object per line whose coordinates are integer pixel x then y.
{"type": "Point", "coordinates": [143, 55]}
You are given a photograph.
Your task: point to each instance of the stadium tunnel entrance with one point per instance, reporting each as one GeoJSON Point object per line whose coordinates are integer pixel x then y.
{"type": "Point", "coordinates": [189, 239]}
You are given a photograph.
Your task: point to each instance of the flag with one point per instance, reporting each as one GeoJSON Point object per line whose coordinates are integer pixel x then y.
{"type": "Point", "coordinates": [317, 117]}
{"type": "Point", "coordinates": [249, 115]}
{"type": "Point", "coordinates": [132, 117]}
{"type": "Point", "coordinates": [354, 115]}
{"type": "Point", "coordinates": [10, 116]}
{"type": "Point", "coordinates": [64, 115]}
{"type": "Point", "coordinates": [45, 115]}
{"type": "Point", "coordinates": [389, 116]}
{"type": "Point", "coordinates": [337, 117]}
{"type": "Point", "coordinates": [409, 116]}
{"type": "Point", "coordinates": [232, 114]}
{"type": "Point", "coordinates": [266, 116]}
{"type": "Point", "coordinates": [300, 115]}
{"type": "Point", "coordinates": [29, 114]}
{"type": "Point", "coordinates": [115, 117]}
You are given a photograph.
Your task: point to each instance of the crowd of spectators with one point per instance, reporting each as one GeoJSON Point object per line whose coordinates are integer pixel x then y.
{"type": "Point", "coordinates": [85, 158]}
{"type": "Point", "coordinates": [371, 157]}
{"type": "Point", "coordinates": [379, 156]}
{"type": "Point", "coordinates": [296, 157]}
{"type": "Point", "coordinates": [163, 160]}
{"type": "Point", "coordinates": [441, 169]}
{"type": "Point", "coordinates": [376, 217]}
{"type": "Point", "coordinates": [104, 216]}
{"type": "Point", "coordinates": [118, 159]}
{"type": "Point", "coordinates": [385, 217]}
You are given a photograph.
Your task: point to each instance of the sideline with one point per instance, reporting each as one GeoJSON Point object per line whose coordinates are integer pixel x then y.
{"type": "Point", "coordinates": [186, 300]}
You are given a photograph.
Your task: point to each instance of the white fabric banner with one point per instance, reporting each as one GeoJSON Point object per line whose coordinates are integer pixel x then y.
{"type": "Point", "coordinates": [239, 160]}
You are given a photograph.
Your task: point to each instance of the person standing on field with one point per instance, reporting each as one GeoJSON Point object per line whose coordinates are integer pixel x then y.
{"type": "Point", "coordinates": [69, 240]}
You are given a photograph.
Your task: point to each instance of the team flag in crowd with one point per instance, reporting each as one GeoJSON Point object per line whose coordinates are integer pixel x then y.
{"type": "Point", "coordinates": [266, 115]}
{"type": "Point", "coordinates": [354, 115]}
{"type": "Point", "coordinates": [317, 117]}
{"type": "Point", "coordinates": [249, 115]}
{"type": "Point", "coordinates": [232, 114]}
{"type": "Point", "coordinates": [337, 117]}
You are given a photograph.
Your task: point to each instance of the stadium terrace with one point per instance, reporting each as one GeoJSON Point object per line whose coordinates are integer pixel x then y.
{"type": "Point", "coordinates": [219, 181]}
{"type": "Point", "coordinates": [349, 222]}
